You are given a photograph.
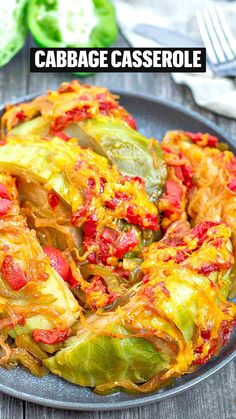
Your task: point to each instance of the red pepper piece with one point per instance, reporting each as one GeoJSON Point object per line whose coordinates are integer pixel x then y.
{"type": "Point", "coordinates": [66, 88]}
{"type": "Point", "coordinates": [200, 230]}
{"type": "Point", "coordinates": [162, 285]}
{"type": "Point", "coordinates": [173, 193]}
{"type": "Point", "coordinates": [206, 334]}
{"type": "Point", "coordinates": [119, 196]}
{"type": "Point", "coordinates": [21, 116]}
{"type": "Point", "coordinates": [203, 139]}
{"type": "Point", "coordinates": [53, 200]}
{"type": "Point", "coordinates": [77, 215]}
{"type": "Point", "coordinates": [125, 243]}
{"type": "Point", "coordinates": [5, 206]}
{"type": "Point", "coordinates": [106, 243]}
{"type": "Point", "coordinates": [103, 182]}
{"type": "Point", "coordinates": [3, 192]}
{"type": "Point", "coordinates": [58, 261]}
{"type": "Point", "coordinates": [227, 328]}
{"type": "Point", "coordinates": [61, 135]}
{"type": "Point", "coordinates": [50, 337]}
{"type": "Point", "coordinates": [131, 122]}
{"type": "Point", "coordinates": [13, 273]}
{"type": "Point", "coordinates": [201, 361]}
{"type": "Point", "coordinates": [232, 185]}
{"type": "Point", "coordinates": [90, 231]}
{"type": "Point", "coordinates": [71, 280]}
{"type": "Point", "coordinates": [187, 174]}
{"type": "Point", "coordinates": [180, 256]}
{"type": "Point", "coordinates": [211, 267]}
{"type": "Point", "coordinates": [91, 183]}
{"type": "Point", "coordinates": [150, 222]}
{"type": "Point", "coordinates": [74, 115]}
{"type": "Point", "coordinates": [133, 179]}
{"type": "Point", "coordinates": [231, 166]}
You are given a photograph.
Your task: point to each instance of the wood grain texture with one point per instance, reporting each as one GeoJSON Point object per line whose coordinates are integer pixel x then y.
{"type": "Point", "coordinates": [216, 397]}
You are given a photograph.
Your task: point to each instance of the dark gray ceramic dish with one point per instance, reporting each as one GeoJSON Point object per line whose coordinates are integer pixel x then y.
{"type": "Point", "coordinates": [154, 118]}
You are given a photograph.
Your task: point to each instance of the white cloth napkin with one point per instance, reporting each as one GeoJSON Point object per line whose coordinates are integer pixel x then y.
{"type": "Point", "coordinates": [217, 94]}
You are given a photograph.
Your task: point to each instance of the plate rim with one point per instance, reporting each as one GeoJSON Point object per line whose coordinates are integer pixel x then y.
{"type": "Point", "coordinates": [152, 398]}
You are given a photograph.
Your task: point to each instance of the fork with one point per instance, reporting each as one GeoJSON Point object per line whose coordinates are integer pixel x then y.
{"type": "Point", "coordinates": [219, 40]}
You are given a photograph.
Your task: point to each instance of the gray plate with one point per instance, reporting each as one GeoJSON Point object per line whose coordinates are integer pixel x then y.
{"type": "Point", "coordinates": [154, 118]}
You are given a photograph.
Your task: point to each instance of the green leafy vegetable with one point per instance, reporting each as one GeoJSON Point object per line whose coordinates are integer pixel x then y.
{"type": "Point", "coordinates": [158, 328]}
{"type": "Point", "coordinates": [130, 151]}
{"type": "Point", "coordinates": [76, 23]}
{"type": "Point", "coordinates": [13, 28]}
{"type": "Point", "coordinates": [91, 359]}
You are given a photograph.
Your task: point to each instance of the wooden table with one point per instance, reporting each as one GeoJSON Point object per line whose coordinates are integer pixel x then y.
{"type": "Point", "coordinates": [215, 398]}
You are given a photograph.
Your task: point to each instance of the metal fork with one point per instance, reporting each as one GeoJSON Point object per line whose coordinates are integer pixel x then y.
{"type": "Point", "coordinates": [219, 41]}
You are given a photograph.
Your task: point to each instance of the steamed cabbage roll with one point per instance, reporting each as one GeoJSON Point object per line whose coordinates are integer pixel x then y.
{"type": "Point", "coordinates": [177, 319]}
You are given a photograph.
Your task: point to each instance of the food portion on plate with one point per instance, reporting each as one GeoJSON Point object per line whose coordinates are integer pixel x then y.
{"type": "Point", "coordinates": [117, 253]}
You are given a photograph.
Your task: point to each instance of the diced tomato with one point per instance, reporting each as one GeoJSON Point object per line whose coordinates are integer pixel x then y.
{"type": "Point", "coordinates": [133, 218]}
{"type": "Point", "coordinates": [200, 230]}
{"type": "Point", "coordinates": [133, 179]}
{"type": "Point", "coordinates": [106, 243]}
{"type": "Point", "coordinates": [71, 280]}
{"type": "Point", "coordinates": [119, 196]}
{"type": "Point", "coordinates": [105, 106]}
{"type": "Point", "coordinates": [180, 256]}
{"type": "Point", "coordinates": [58, 261]}
{"type": "Point", "coordinates": [13, 273]}
{"type": "Point", "coordinates": [227, 328]}
{"type": "Point", "coordinates": [21, 115]}
{"type": "Point", "coordinates": [145, 279]}
{"type": "Point", "coordinates": [187, 174]}
{"type": "Point", "coordinates": [3, 192]}
{"type": "Point", "coordinates": [173, 193]}
{"type": "Point", "coordinates": [92, 258]}
{"type": "Point", "coordinates": [90, 231]}
{"type": "Point", "coordinates": [77, 215]}
{"type": "Point", "coordinates": [61, 135]}
{"type": "Point", "coordinates": [103, 182]}
{"type": "Point", "coordinates": [131, 122]}
{"type": "Point", "coordinates": [204, 360]}
{"type": "Point", "coordinates": [5, 206]}
{"type": "Point", "coordinates": [162, 285]}
{"type": "Point", "coordinates": [206, 334]}
{"type": "Point", "coordinates": [218, 242]}
{"type": "Point", "coordinates": [125, 243]}
{"type": "Point", "coordinates": [150, 222]}
{"type": "Point", "coordinates": [232, 185]}
{"type": "Point", "coordinates": [73, 115]}
{"type": "Point", "coordinates": [148, 291]}
{"type": "Point", "coordinates": [203, 139]}
{"type": "Point", "coordinates": [113, 203]}
{"type": "Point", "coordinates": [91, 183]}
{"type": "Point", "coordinates": [53, 200]}
{"type": "Point", "coordinates": [166, 148]}
{"type": "Point", "coordinates": [51, 336]}
{"type": "Point", "coordinates": [98, 293]}
{"type": "Point", "coordinates": [98, 284]}
{"type": "Point", "coordinates": [212, 141]}
{"type": "Point", "coordinates": [213, 267]}
{"type": "Point", "coordinates": [231, 166]}
{"type": "Point", "coordinates": [66, 88]}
